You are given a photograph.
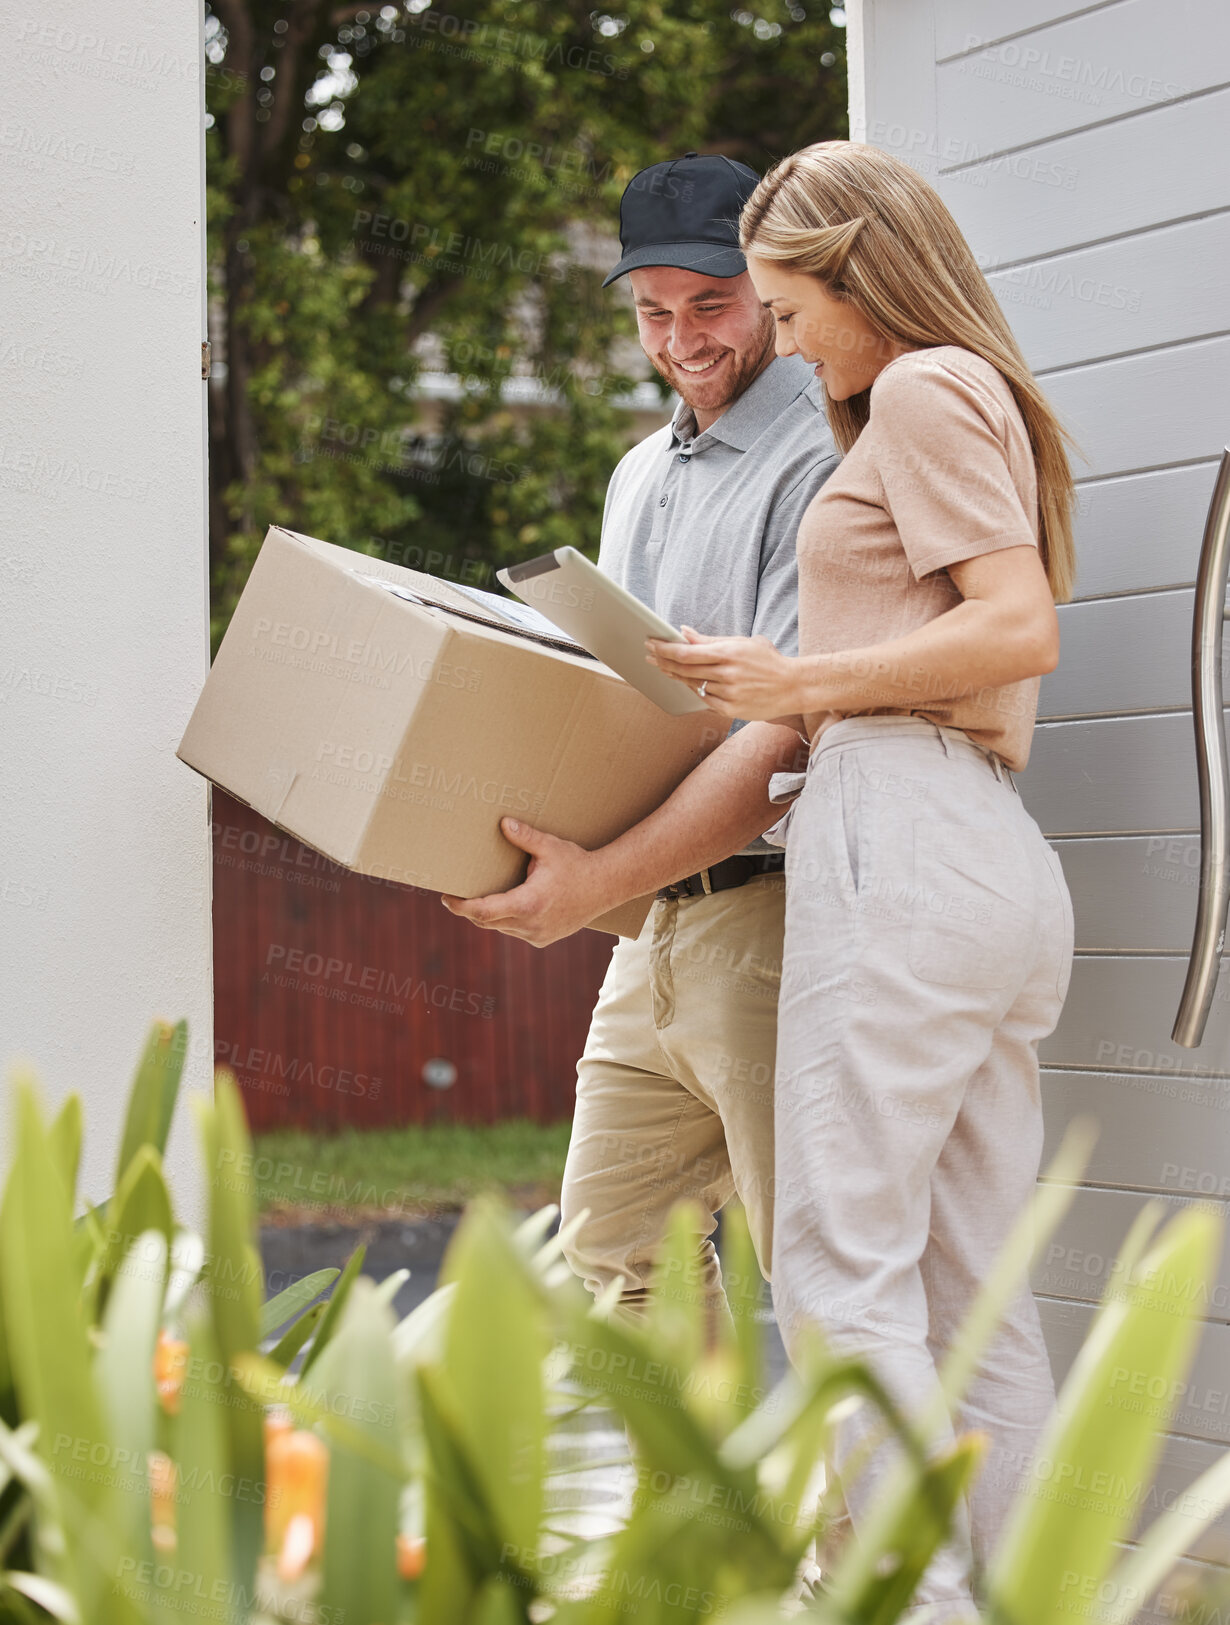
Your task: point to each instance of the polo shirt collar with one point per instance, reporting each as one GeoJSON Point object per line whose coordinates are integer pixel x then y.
{"type": "Point", "coordinates": [743, 423]}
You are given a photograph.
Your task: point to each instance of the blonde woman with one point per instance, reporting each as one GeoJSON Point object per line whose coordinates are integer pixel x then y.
{"type": "Point", "coordinates": [928, 926]}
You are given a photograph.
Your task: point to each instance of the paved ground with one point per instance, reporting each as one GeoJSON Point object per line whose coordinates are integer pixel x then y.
{"type": "Point", "coordinates": [292, 1251]}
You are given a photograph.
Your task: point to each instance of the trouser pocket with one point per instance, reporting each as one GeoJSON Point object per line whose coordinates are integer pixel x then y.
{"type": "Point", "coordinates": [822, 858]}
{"type": "Point", "coordinates": [972, 913]}
{"type": "Point", "coordinates": [1063, 973]}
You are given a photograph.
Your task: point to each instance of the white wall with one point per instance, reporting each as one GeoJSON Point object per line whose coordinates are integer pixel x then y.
{"type": "Point", "coordinates": [104, 835]}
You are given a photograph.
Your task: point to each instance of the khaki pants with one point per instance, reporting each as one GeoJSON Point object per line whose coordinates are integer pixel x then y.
{"type": "Point", "coordinates": [675, 1088]}
{"type": "Point", "coordinates": [928, 950]}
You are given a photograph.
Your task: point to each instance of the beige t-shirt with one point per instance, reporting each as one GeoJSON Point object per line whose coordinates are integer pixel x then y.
{"type": "Point", "coordinates": [942, 472]}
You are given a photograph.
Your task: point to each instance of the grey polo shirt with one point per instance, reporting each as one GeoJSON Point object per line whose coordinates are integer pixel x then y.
{"type": "Point", "coordinates": [701, 527]}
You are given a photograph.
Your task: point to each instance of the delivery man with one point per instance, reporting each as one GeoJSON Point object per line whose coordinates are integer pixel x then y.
{"type": "Point", "coordinates": [675, 1088]}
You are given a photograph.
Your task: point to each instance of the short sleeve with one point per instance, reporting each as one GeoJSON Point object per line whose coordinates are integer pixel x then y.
{"type": "Point", "coordinates": [777, 592]}
{"type": "Point", "coordinates": [941, 448]}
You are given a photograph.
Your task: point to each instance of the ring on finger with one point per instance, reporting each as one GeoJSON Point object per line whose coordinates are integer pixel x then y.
{"type": "Point", "coordinates": [702, 688]}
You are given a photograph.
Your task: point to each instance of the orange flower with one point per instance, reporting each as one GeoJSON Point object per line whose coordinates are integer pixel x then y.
{"type": "Point", "coordinates": [162, 1476]}
{"type": "Point", "coordinates": [278, 1423]}
{"type": "Point", "coordinates": [296, 1472]}
{"type": "Point", "coordinates": [411, 1556]}
{"type": "Point", "coordinates": [170, 1363]}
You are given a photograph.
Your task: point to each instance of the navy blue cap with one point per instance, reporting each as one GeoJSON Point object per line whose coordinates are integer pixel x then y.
{"type": "Point", "coordinates": [685, 212]}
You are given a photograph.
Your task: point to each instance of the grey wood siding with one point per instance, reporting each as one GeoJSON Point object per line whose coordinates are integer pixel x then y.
{"type": "Point", "coordinates": [1083, 150]}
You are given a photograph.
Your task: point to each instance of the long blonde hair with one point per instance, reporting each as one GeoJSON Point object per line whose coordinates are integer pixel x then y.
{"type": "Point", "coordinates": [875, 233]}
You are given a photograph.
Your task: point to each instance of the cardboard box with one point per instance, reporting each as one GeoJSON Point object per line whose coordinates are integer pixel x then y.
{"type": "Point", "coordinates": [392, 736]}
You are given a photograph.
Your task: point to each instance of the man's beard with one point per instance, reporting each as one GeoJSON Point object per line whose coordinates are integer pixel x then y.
{"type": "Point", "coordinates": [747, 368]}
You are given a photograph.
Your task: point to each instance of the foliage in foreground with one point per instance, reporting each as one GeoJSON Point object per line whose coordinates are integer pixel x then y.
{"type": "Point", "coordinates": [173, 1444]}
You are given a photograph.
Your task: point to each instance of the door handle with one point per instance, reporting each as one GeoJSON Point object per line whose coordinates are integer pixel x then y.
{"type": "Point", "coordinates": [1208, 620]}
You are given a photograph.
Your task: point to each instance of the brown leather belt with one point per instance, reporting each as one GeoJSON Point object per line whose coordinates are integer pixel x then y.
{"type": "Point", "coordinates": [736, 871]}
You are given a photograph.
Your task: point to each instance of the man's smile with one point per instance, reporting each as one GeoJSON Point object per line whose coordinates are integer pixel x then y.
{"type": "Point", "coordinates": [695, 367]}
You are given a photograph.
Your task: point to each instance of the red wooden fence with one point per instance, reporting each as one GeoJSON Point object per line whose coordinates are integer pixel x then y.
{"type": "Point", "coordinates": [337, 997]}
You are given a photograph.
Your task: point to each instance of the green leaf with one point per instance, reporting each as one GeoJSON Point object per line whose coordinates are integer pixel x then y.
{"type": "Point", "coordinates": [233, 1283]}
{"type": "Point", "coordinates": [744, 1332]}
{"type": "Point", "coordinates": [756, 1609]}
{"type": "Point", "coordinates": [205, 1482]}
{"type": "Point", "coordinates": [746, 1538]}
{"type": "Point", "coordinates": [142, 1203]}
{"type": "Point", "coordinates": [1166, 1542]}
{"type": "Point", "coordinates": [675, 1318]}
{"type": "Point", "coordinates": [482, 1412]}
{"type": "Point", "coordinates": [388, 1289]}
{"type": "Point", "coordinates": [124, 1371]}
{"type": "Point", "coordinates": [89, 1248]}
{"type": "Point", "coordinates": [49, 1596]}
{"type": "Point", "coordinates": [497, 1382]}
{"type": "Point", "coordinates": [296, 1335]}
{"type": "Point", "coordinates": [17, 1452]}
{"type": "Point", "coordinates": [52, 1372]}
{"type": "Point", "coordinates": [795, 1419]}
{"type": "Point", "coordinates": [15, 1610]}
{"type": "Point", "coordinates": [278, 1310]}
{"type": "Point", "coordinates": [531, 1234]}
{"type": "Point", "coordinates": [684, 1557]}
{"type": "Point", "coordinates": [233, 1275]}
{"type": "Point", "coordinates": [1142, 1340]}
{"type": "Point", "coordinates": [14, 1524]}
{"type": "Point", "coordinates": [333, 1310]}
{"type": "Point", "coordinates": [268, 1384]}
{"type": "Point", "coordinates": [89, 1253]}
{"type": "Point", "coordinates": [151, 1101]}
{"type": "Point", "coordinates": [187, 1260]}
{"type": "Point", "coordinates": [499, 1603]}
{"type": "Point", "coordinates": [65, 1134]}
{"type": "Point", "coordinates": [1141, 1232]}
{"type": "Point", "coordinates": [649, 1391]}
{"type": "Point", "coordinates": [879, 1572]}
{"type": "Point", "coordinates": [419, 1338]}
{"type": "Point", "coordinates": [463, 1535]}
{"type": "Point", "coordinates": [30, 1492]}
{"type": "Point", "coordinates": [356, 1376]}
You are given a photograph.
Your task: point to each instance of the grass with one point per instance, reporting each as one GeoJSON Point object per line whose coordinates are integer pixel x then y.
{"type": "Point", "coordinates": [406, 1172]}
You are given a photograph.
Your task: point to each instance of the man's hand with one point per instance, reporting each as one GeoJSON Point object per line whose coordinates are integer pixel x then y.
{"type": "Point", "coordinates": [558, 896]}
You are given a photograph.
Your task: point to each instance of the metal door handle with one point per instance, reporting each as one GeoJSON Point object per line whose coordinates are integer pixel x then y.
{"type": "Point", "coordinates": [1208, 619]}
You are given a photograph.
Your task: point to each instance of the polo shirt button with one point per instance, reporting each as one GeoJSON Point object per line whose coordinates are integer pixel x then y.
{"type": "Point", "coordinates": [683, 456]}
{"type": "Point", "coordinates": [662, 501]}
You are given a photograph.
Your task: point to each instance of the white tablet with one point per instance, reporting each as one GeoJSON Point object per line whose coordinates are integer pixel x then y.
{"type": "Point", "coordinates": [603, 618]}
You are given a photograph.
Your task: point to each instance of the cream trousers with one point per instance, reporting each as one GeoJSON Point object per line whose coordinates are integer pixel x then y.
{"type": "Point", "coordinates": [928, 949]}
{"type": "Point", "coordinates": [675, 1088]}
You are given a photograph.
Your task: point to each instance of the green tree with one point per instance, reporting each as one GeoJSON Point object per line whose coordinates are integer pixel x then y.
{"type": "Point", "coordinates": [424, 189]}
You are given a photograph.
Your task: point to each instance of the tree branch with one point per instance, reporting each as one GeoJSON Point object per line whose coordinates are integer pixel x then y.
{"type": "Point", "coordinates": [288, 89]}
{"type": "Point", "coordinates": [240, 45]}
